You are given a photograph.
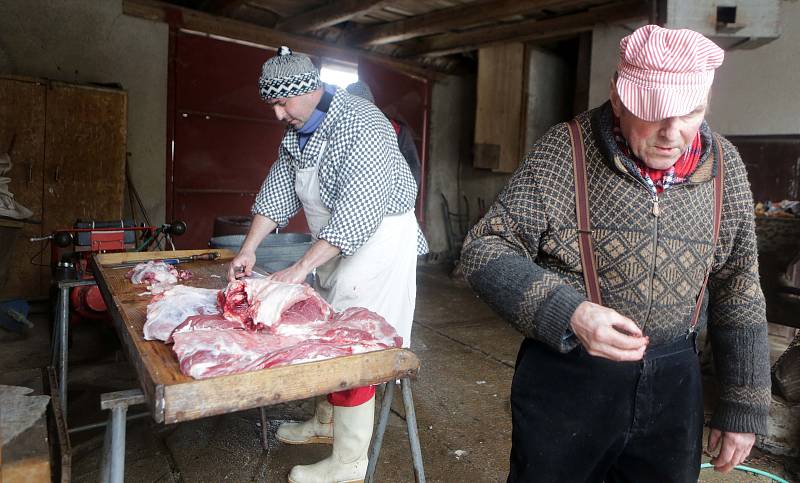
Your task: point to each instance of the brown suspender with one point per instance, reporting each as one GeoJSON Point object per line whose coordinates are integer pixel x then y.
{"type": "Point", "coordinates": [582, 208]}
{"type": "Point", "coordinates": [584, 226]}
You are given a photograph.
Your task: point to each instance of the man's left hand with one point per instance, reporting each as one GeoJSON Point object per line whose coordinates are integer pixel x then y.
{"type": "Point", "coordinates": [294, 274]}
{"type": "Point", "coordinates": [733, 448]}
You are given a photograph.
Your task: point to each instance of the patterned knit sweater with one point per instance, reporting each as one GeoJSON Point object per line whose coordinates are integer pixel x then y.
{"type": "Point", "coordinates": [522, 258]}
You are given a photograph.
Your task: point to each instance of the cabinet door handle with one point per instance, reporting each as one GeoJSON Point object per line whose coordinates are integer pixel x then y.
{"type": "Point", "coordinates": [30, 172]}
{"type": "Point", "coordinates": [58, 169]}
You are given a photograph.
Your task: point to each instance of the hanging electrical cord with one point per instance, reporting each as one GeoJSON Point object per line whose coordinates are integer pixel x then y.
{"type": "Point", "coordinates": [747, 469]}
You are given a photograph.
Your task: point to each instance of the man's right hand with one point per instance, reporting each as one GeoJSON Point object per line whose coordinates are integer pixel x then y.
{"type": "Point", "coordinates": [241, 266]}
{"type": "Point", "coordinates": [606, 333]}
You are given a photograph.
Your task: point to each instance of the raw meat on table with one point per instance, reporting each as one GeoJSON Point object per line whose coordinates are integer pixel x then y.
{"type": "Point", "coordinates": [168, 310]}
{"type": "Point", "coordinates": [259, 323]}
{"type": "Point", "coordinates": [207, 353]}
{"type": "Point", "coordinates": [263, 303]}
{"type": "Point", "coordinates": [158, 275]}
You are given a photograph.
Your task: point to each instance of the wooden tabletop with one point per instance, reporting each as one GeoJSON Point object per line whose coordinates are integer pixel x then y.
{"type": "Point", "coordinates": [174, 397]}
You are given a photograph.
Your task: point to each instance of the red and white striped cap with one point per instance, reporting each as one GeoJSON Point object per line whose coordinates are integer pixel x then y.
{"type": "Point", "coordinates": [664, 72]}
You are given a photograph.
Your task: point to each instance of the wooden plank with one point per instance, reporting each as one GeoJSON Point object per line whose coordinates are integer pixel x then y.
{"type": "Point", "coordinates": [22, 124]}
{"type": "Point", "coordinates": [282, 384]}
{"type": "Point", "coordinates": [525, 31]}
{"type": "Point", "coordinates": [498, 118]}
{"type": "Point", "coordinates": [447, 19]}
{"type": "Point", "coordinates": [174, 397]}
{"type": "Point", "coordinates": [234, 29]}
{"type": "Point", "coordinates": [330, 14]}
{"type": "Point", "coordinates": [226, 7]}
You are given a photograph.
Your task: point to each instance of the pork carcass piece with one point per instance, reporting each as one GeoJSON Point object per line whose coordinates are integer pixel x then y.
{"type": "Point", "coordinates": [207, 322]}
{"type": "Point", "coordinates": [207, 353]}
{"type": "Point", "coordinates": [159, 276]}
{"type": "Point", "coordinates": [261, 303]}
{"type": "Point", "coordinates": [358, 323]}
{"type": "Point", "coordinates": [169, 309]}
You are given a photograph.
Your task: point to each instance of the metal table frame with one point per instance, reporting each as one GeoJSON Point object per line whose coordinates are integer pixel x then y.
{"type": "Point", "coordinates": [60, 337]}
{"type": "Point", "coordinates": [113, 463]}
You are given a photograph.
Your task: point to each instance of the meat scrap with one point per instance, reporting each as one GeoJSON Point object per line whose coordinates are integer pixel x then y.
{"type": "Point", "coordinates": [169, 309]}
{"type": "Point", "coordinates": [158, 275]}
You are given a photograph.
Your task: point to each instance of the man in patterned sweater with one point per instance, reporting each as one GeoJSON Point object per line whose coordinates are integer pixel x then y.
{"type": "Point", "coordinates": [612, 391]}
{"type": "Point", "coordinates": [338, 161]}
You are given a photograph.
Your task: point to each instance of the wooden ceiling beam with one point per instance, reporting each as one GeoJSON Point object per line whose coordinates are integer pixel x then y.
{"type": "Point", "coordinates": [446, 19]}
{"type": "Point", "coordinates": [330, 14]}
{"type": "Point", "coordinates": [238, 30]}
{"type": "Point", "coordinates": [225, 7]}
{"type": "Point", "coordinates": [525, 31]}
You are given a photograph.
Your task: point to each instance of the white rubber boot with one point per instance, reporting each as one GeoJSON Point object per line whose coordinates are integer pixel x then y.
{"type": "Point", "coordinates": [352, 429]}
{"type": "Point", "coordinates": [318, 429]}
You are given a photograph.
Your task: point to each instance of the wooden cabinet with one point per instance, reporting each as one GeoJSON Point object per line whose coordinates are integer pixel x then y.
{"type": "Point", "coordinates": [68, 155]}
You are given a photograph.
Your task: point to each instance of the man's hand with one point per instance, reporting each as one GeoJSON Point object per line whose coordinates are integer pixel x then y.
{"type": "Point", "coordinates": [241, 265]}
{"type": "Point", "coordinates": [606, 333]}
{"type": "Point", "coordinates": [295, 274]}
{"type": "Point", "coordinates": [733, 448]}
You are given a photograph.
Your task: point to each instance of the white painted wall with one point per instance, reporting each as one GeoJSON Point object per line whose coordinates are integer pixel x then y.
{"type": "Point", "coordinates": [758, 91]}
{"type": "Point", "coordinates": [755, 91]}
{"type": "Point", "coordinates": [90, 41]}
{"type": "Point", "coordinates": [452, 111]}
{"type": "Point", "coordinates": [452, 137]}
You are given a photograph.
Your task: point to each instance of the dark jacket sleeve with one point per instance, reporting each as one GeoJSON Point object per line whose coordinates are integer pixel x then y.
{"type": "Point", "coordinates": [737, 322]}
{"type": "Point", "coordinates": [499, 254]}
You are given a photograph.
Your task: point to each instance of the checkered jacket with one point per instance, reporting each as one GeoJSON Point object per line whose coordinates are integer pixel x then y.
{"type": "Point", "coordinates": [523, 259]}
{"type": "Point", "coordinates": [363, 177]}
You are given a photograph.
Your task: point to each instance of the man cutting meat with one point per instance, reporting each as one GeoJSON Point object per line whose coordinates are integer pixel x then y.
{"type": "Point", "coordinates": [339, 161]}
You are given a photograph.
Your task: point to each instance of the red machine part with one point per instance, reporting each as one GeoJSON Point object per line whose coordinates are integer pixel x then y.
{"type": "Point", "coordinates": [87, 303]}
{"type": "Point", "coordinates": [107, 241]}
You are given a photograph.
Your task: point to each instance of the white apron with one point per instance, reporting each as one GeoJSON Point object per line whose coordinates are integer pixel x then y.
{"type": "Point", "coordinates": [381, 275]}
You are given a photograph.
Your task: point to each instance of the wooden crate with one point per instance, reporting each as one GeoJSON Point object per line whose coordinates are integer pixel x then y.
{"type": "Point", "coordinates": [174, 397]}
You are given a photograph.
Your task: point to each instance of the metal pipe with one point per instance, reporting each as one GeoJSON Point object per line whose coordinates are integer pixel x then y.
{"type": "Point", "coordinates": [63, 349]}
{"type": "Point", "coordinates": [377, 439]}
{"type": "Point", "coordinates": [413, 433]}
{"type": "Point", "coordinates": [105, 472]}
{"type": "Point", "coordinates": [103, 424]}
{"type": "Point", "coordinates": [118, 444]}
{"type": "Point", "coordinates": [56, 334]}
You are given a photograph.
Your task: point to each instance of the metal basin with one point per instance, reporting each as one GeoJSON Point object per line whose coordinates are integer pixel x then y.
{"type": "Point", "coordinates": [276, 252]}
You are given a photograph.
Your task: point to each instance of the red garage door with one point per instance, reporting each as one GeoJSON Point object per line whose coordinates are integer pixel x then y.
{"type": "Point", "coordinates": [225, 138]}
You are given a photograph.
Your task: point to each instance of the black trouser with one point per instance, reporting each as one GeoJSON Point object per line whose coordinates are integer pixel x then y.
{"type": "Point", "coordinates": [581, 418]}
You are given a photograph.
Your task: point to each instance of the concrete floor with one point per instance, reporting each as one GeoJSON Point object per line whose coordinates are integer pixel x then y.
{"type": "Point", "coordinates": [461, 399]}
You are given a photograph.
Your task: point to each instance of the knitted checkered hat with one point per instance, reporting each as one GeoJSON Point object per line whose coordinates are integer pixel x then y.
{"type": "Point", "coordinates": [362, 90]}
{"type": "Point", "coordinates": [665, 73]}
{"type": "Point", "coordinates": [287, 75]}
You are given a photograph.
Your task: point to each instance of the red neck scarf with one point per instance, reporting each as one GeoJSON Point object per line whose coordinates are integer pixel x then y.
{"type": "Point", "coordinates": [660, 179]}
